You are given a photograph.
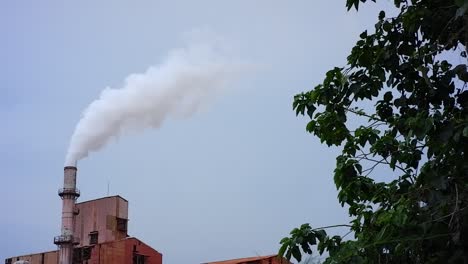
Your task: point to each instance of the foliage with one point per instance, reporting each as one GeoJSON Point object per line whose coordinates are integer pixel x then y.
{"type": "Point", "coordinates": [417, 127]}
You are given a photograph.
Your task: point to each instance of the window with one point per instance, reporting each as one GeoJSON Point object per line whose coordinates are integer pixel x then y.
{"type": "Point", "coordinates": [86, 253]}
{"type": "Point", "coordinates": [77, 258]}
{"type": "Point", "coordinates": [139, 259]}
{"type": "Point", "coordinates": [122, 224]}
{"type": "Point", "coordinates": [93, 238]}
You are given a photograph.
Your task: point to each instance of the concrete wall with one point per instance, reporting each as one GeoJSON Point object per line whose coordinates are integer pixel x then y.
{"type": "Point", "coordinates": [274, 260]}
{"type": "Point", "coordinates": [271, 259]}
{"type": "Point", "coordinates": [135, 246]}
{"type": "Point", "coordinates": [122, 252]}
{"type": "Point", "coordinates": [116, 252]}
{"type": "Point", "coordinates": [100, 215]}
{"type": "Point", "coordinates": [50, 257]}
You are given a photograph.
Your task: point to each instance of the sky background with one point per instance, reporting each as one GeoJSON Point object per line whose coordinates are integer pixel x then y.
{"type": "Point", "coordinates": [229, 182]}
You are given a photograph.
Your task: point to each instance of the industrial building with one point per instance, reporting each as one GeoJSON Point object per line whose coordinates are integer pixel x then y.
{"type": "Point", "coordinates": [100, 237]}
{"type": "Point", "coordinates": [92, 232]}
{"type": "Point", "coordinates": [96, 232]}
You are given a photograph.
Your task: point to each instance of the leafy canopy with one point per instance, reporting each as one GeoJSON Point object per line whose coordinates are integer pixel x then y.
{"type": "Point", "coordinates": [417, 128]}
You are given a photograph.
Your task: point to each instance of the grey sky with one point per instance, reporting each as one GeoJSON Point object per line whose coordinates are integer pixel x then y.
{"type": "Point", "coordinates": [230, 181]}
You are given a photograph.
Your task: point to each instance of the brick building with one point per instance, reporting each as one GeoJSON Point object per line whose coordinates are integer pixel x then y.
{"type": "Point", "coordinates": [101, 237]}
{"type": "Point", "coordinates": [96, 232]}
{"type": "Point", "coordinates": [271, 259]}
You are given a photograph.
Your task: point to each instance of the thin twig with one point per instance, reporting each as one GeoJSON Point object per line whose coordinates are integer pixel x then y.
{"type": "Point", "coordinates": [366, 115]}
{"type": "Point", "coordinates": [456, 205]}
{"type": "Point", "coordinates": [331, 226]}
{"type": "Point", "coordinates": [347, 234]}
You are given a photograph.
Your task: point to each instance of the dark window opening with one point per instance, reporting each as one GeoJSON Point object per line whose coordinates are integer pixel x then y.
{"type": "Point", "coordinates": [93, 238]}
{"type": "Point", "coordinates": [139, 259]}
{"type": "Point", "coordinates": [122, 224]}
{"type": "Point", "coordinates": [87, 253]}
{"type": "Point", "coordinates": [8, 261]}
{"type": "Point", "coordinates": [77, 257]}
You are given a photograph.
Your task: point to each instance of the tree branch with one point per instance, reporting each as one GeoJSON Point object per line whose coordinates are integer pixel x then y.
{"type": "Point", "coordinates": [332, 226]}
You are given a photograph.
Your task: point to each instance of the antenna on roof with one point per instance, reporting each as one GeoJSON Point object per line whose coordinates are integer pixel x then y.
{"type": "Point", "coordinates": [108, 186]}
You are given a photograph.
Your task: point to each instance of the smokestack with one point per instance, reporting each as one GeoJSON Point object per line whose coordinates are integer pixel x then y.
{"type": "Point", "coordinates": [69, 193]}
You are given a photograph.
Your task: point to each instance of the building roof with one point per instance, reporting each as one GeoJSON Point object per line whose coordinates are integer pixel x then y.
{"type": "Point", "coordinates": [102, 198]}
{"type": "Point", "coordinates": [242, 260]}
{"type": "Point", "coordinates": [30, 254]}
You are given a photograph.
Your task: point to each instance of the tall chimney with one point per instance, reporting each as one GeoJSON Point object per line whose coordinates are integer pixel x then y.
{"type": "Point", "coordinates": [69, 193]}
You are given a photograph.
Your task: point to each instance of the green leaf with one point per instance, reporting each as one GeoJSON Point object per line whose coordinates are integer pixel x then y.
{"type": "Point", "coordinates": [300, 109]}
{"type": "Point", "coordinates": [388, 96]}
{"type": "Point", "coordinates": [461, 72]}
{"type": "Point", "coordinates": [381, 15]}
{"type": "Point", "coordinates": [460, 3]}
{"type": "Point", "coordinates": [320, 234]}
{"type": "Point", "coordinates": [282, 249]}
{"type": "Point", "coordinates": [358, 168]}
{"type": "Point", "coordinates": [446, 132]}
{"type": "Point", "coordinates": [387, 26]}
{"type": "Point", "coordinates": [366, 58]}
{"type": "Point", "coordinates": [363, 35]}
{"type": "Point", "coordinates": [310, 110]}
{"type": "Point", "coordinates": [462, 10]}
{"type": "Point", "coordinates": [311, 126]}
{"type": "Point", "coordinates": [296, 253]}
{"type": "Point", "coordinates": [465, 131]}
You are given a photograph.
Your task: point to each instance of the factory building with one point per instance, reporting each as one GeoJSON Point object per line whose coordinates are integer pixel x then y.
{"type": "Point", "coordinates": [92, 232]}
{"type": "Point", "coordinates": [100, 229]}
{"type": "Point", "coordinates": [126, 251]}
{"type": "Point", "coordinates": [96, 232]}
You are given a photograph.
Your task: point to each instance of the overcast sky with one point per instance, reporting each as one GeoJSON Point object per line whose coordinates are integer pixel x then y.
{"type": "Point", "coordinates": [230, 181]}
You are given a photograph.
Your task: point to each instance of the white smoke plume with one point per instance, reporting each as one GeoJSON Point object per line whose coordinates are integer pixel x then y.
{"type": "Point", "coordinates": [187, 79]}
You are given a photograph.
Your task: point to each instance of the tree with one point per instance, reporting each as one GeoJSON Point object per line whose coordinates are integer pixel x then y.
{"type": "Point", "coordinates": [417, 128]}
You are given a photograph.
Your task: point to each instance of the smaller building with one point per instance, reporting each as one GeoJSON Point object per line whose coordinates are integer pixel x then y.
{"type": "Point", "coordinates": [271, 259]}
{"type": "Point", "coordinates": [126, 251]}
{"type": "Point", "coordinates": [49, 257]}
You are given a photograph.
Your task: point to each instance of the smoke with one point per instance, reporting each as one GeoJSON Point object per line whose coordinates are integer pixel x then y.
{"type": "Point", "coordinates": [186, 81]}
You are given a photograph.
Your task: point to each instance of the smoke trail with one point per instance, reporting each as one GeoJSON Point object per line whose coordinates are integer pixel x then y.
{"type": "Point", "coordinates": [186, 81]}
